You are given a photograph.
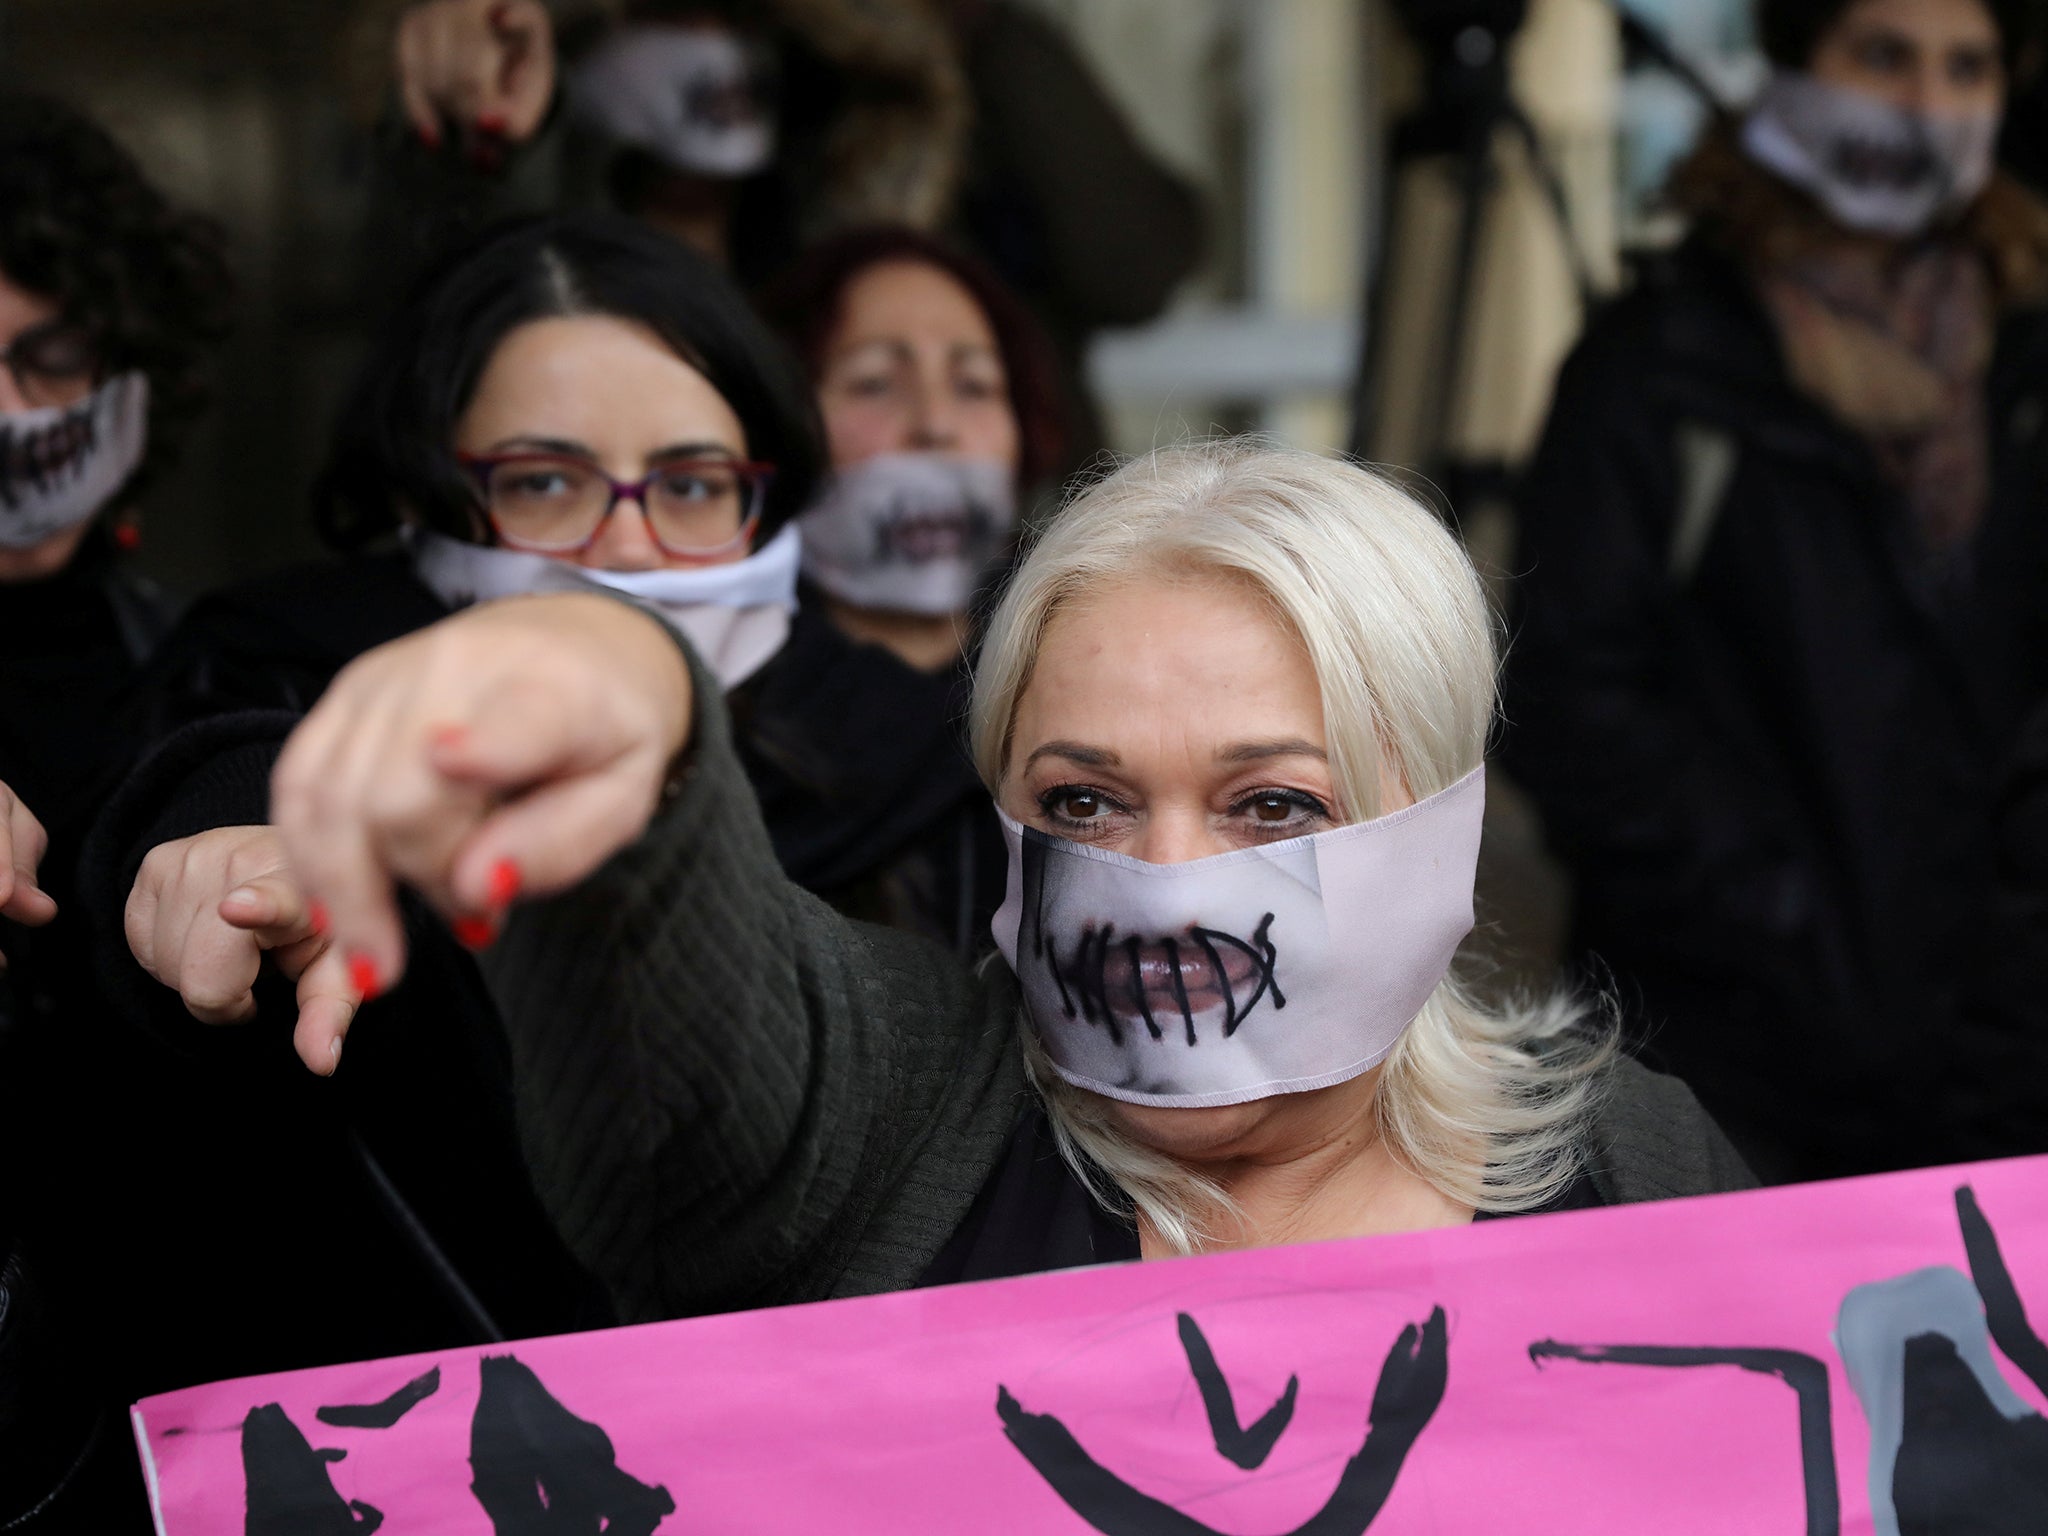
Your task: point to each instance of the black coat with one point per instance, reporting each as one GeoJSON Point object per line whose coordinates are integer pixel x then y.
{"type": "Point", "coordinates": [1761, 732]}
{"type": "Point", "coordinates": [397, 1189]}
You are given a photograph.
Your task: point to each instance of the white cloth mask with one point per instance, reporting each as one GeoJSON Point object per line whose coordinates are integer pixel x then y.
{"type": "Point", "coordinates": [1874, 167]}
{"type": "Point", "coordinates": [911, 532]}
{"type": "Point", "coordinates": [60, 464]}
{"type": "Point", "coordinates": [1271, 970]}
{"type": "Point", "coordinates": [689, 97]}
{"type": "Point", "coordinates": [736, 616]}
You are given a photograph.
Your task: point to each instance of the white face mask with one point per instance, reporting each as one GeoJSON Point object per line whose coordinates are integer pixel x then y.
{"type": "Point", "coordinates": [691, 98]}
{"type": "Point", "coordinates": [911, 532]}
{"type": "Point", "coordinates": [1222, 980]}
{"type": "Point", "coordinates": [736, 616]}
{"type": "Point", "coordinates": [1875, 167]}
{"type": "Point", "coordinates": [60, 464]}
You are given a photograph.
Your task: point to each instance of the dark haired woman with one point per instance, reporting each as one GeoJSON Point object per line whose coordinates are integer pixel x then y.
{"type": "Point", "coordinates": [1783, 610]}
{"type": "Point", "coordinates": [576, 402]}
{"type": "Point", "coordinates": [109, 299]}
{"type": "Point", "coordinates": [941, 412]}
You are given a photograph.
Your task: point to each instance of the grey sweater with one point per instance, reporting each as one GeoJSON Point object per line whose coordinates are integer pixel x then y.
{"type": "Point", "coordinates": [731, 1096]}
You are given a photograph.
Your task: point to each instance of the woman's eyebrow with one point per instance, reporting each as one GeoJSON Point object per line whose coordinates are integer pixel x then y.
{"type": "Point", "coordinates": [562, 445]}
{"type": "Point", "coordinates": [705, 450]}
{"type": "Point", "coordinates": [1074, 752]}
{"type": "Point", "coordinates": [1259, 751]}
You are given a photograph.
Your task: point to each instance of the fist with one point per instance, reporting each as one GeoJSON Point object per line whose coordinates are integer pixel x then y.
{"type": "Point", "coordinates": [484, 67]}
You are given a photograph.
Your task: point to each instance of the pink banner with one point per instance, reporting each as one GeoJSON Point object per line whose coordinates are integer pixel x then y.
{"type": "Point", "coordinates": [1835, 1357]}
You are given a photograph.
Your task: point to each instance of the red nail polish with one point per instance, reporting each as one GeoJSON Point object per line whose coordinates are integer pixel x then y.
{"type": "Point", "coordinates": [364, 977]}
{"type": "Point", "coordinates": [316, 918]}
{"type": "Point", "coordinates": [429, 137]}
{"type": "Point", "coordinates": [474, 932]}
{"type": "Point", "coordinates": [491, 123]}
{"type": "Point", "coordinates": [505, 883]}
{"type": "Point", "coordinates": [127, 538]}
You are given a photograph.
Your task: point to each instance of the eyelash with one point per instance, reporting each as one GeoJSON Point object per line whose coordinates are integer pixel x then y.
{"type": "Point", "coordinates": [1081, 827]}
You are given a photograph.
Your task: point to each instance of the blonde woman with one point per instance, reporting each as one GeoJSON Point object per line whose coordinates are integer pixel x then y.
{"type": "Point", "coordinates": [1233, 709]}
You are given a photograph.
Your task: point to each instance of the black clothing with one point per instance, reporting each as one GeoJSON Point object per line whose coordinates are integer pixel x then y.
{"type": "Point", "coordinates": [1034, 1214]}
{"type": "Point", "coordinates": [75, 643]}
{"type": "Point", "coordinates": [417, 1135]}
{"type": "Point", "coordinates": [731, 1096]}
{"type": "Point", "coordinates": [1762, 735]}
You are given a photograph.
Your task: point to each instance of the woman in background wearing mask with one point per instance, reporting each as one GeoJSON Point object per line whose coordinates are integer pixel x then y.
{"type": "Point", "coordinates": [1784, 596]}
{"type": "Point", "coordinates": [1232, 708]}
{"type": "Point", "coordinates": [941, 409]}
{"type": "Point", "coordinates": [575, 403]}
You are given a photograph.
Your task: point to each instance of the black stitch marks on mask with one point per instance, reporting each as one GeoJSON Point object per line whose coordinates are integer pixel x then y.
{"type": "Point", "coordinates": [288, 1489]}
{"type": "Point", "coordinates": [1246, 1446]}
{"type": "Point", "coordinates": [1806, 1376]}
{"type": "Point", "coordinates": [382, 1415]}
{"type": "Point", "coordinates": [1086, 990]}
{"type": "Point", "coordinates": [32, 460]}
{"type": "Point", "coordinates": [1411, 1385]}
{"type": "Point", "coordinates": [541, 1471]}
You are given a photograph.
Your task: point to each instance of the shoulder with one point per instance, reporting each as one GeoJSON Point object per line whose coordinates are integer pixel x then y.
{"type": "Point", "coordinates": [1690, 309]}
{"type": "Point", "coordinates": [345, 604]}
{"type": "Point", "coordinates": [1651, 1140]}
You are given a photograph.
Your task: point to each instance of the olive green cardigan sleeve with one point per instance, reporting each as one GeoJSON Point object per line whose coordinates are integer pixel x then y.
{"type": "Point", "coordinates": [731, 1096]}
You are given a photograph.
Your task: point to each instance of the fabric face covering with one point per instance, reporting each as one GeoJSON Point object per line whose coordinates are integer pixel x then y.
{"type": "Point", "coordinates": [1875, 167]}
{"type": "Point", "coordinates": [910, 532]}
{"type": "Point", "coordinates": [736, 616]}
{"type": "Point", "coordinates": [60, 464]}
{"type": "Point", "coordinates": [1270, 970]}
{"type": "Point", "coordinates": [691, 98]}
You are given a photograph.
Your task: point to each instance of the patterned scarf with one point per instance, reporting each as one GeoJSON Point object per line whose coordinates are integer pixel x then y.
{"type": "Point", "coordinates": [1897, 345]}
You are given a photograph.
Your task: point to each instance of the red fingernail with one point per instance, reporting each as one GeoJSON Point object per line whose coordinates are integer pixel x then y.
{"type": "Point", "coordinates": [491, 122]}
{"type": "Point", "coordinates": [316, 918]}
{"type": "Point", "coordinates": [505, 883]}
{"type": "Point", "coordinates": [429, 137]}
{"type": "Point", "coordinates": [127, 538]}
{"type": "Point", "coordinates": [474, 932]}
{"type": "Point", "coordinates": [364, 976]}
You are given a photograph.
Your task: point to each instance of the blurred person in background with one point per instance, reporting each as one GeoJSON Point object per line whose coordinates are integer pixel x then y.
{"type": "Point", "coordinates": [110, 299]}
{"type": "Point", "coordinates": [751, 130]}
{"type": "Point", "coordinates": [1784, 569]}
{"type": "Point", "coordinates": [942, 414]}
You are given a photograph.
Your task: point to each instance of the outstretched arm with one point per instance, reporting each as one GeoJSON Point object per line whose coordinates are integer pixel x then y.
{"type": "Point", "coordinates": [725, 1091]}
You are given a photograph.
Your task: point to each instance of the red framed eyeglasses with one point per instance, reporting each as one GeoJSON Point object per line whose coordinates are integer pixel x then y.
{"type": "Point", "coordinates": [697, 509]}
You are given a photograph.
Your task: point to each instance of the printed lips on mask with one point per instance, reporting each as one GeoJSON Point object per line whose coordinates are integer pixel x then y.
{"type": "Point", "coordinates": [1873, 166]}
{"type": "Point", "coordinates": [909, 532]}
{"type": "Point", "coordinates": [1275, 969]}
{"type": "Point", "coordinates": [694, 99]}
{"type": "Point", "coordinates": [59, 465]}
{"type": "Point", "coordinates": [1114, 981]}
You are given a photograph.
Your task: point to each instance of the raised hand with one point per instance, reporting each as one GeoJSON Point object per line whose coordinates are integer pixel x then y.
{"type": "Point", "coordinates": [510, 749]}
{"type": "Point", "coordinates": [206, 910]}
{"type": "Point", "coordinates": [484, 67]}
{"type": "Point", "coordinates": [22, 846]}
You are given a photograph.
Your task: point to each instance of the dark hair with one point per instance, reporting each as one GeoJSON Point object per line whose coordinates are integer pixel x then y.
{"type": "Point", "coordinates": [392, 450]}
{"type": "Point", "coordinates": [1790, 30]}
{"type": "Point", "coordinates": [806, 303]}
{"type": "Point", "coordinates": [81, 227]}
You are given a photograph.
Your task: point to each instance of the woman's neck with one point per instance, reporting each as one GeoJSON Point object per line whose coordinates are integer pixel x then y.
{"type": "Point", "coordinates": [1347, 1183]}
{"type": "Point", "coordinates": [930, 643]}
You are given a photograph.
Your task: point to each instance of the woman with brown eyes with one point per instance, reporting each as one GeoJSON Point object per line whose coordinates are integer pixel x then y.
{"type": "Point", "coordinates": [1781, 617]}
{"type": "Point", "coordinates": [941, 413]}
{"type": "Point", "coordinates": [1232, 710]}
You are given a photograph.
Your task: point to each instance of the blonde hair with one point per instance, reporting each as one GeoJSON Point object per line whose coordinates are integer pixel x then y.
{"type": "Point", "coordinates": [1489, 1104]}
